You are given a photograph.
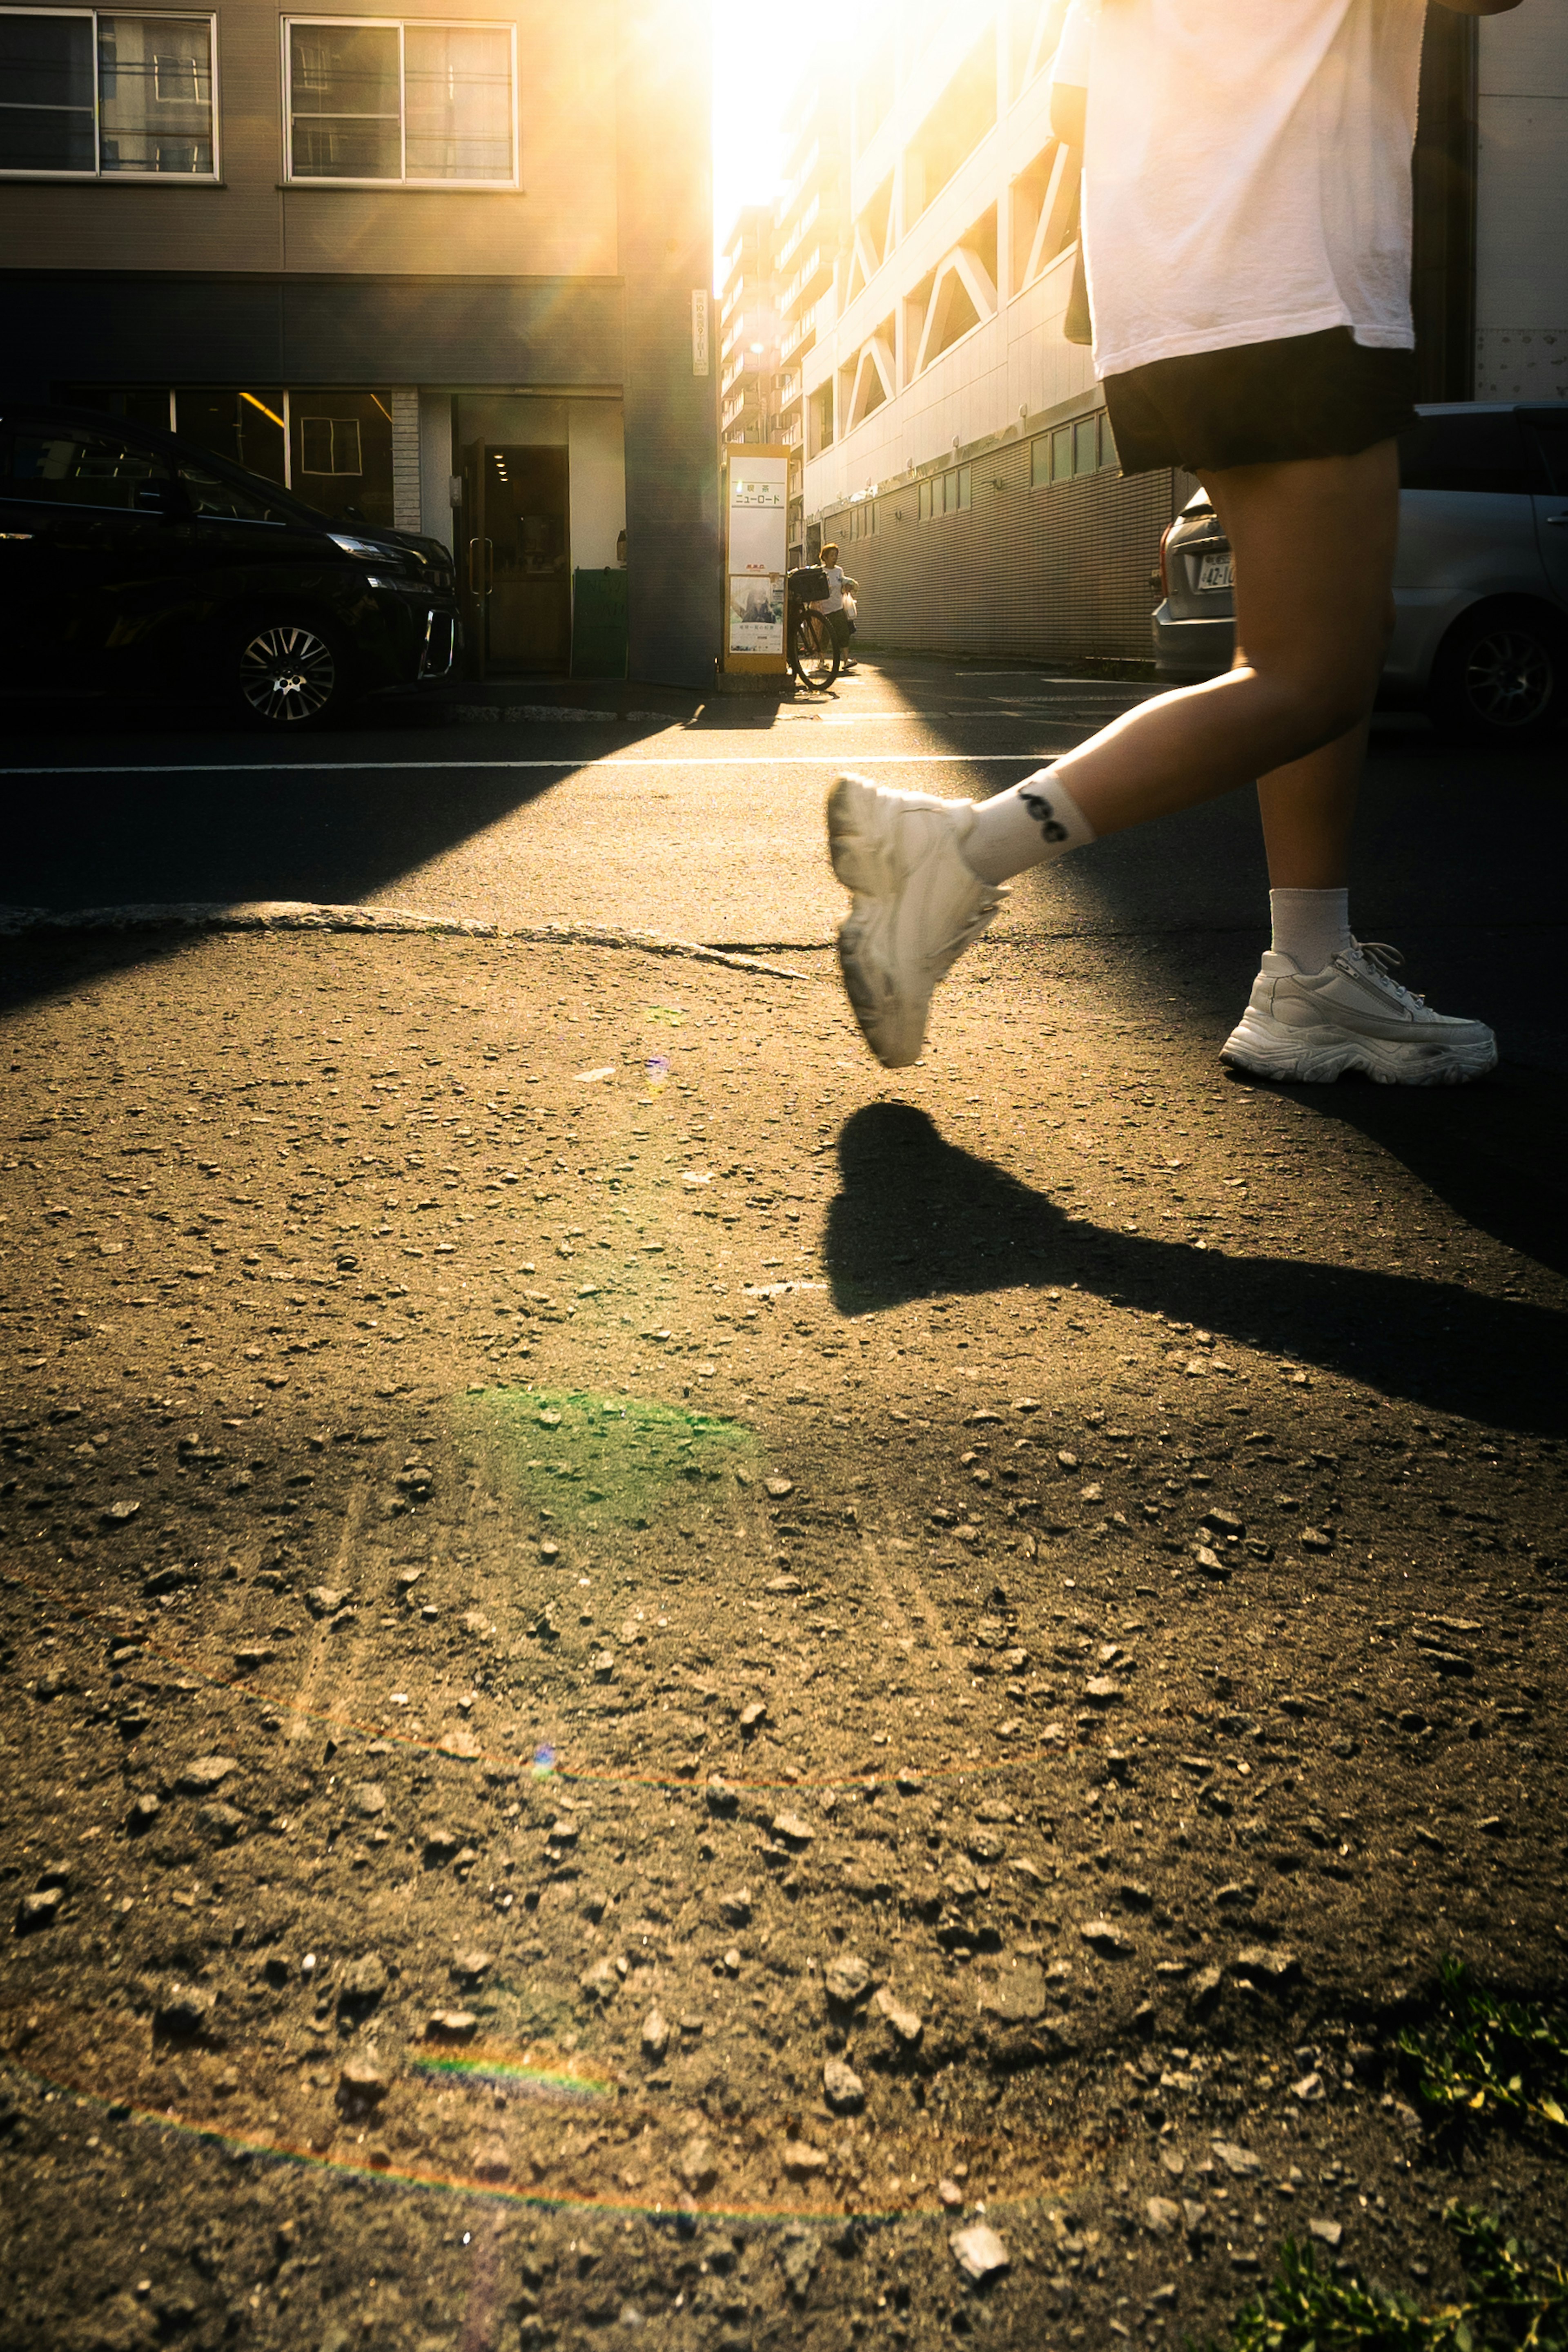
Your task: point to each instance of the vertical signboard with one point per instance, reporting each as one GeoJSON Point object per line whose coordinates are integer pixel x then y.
{"type": "Point", "coordinates": [699, 329]}
{"type": "Point", "coordinates": [756, 553]}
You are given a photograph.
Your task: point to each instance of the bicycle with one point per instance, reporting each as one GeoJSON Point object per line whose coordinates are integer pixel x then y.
{"type": "Point", "coordinates": [814, 653]}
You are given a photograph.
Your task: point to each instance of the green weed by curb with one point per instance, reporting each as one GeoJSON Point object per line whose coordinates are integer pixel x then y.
{"type": "Point", "coordinates": [1479, 2057]}
{"type": "Point", "coordinates": [1519, 2302]}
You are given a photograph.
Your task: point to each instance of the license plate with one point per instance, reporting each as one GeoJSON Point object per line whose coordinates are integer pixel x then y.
{"type": "Point", "coordinates": [1216, 572]}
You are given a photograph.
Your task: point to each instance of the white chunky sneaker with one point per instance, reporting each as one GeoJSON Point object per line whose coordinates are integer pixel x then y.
{"type": "Point", "coordinates": [1312, 1026]}
{"type": "Point", "coordinates": [916, 907]}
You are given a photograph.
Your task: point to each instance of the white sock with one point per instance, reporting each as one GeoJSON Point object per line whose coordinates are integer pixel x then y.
{"type": "Point", "coordinates": [1026, 825]}
{"type": "Point", "coordinates": [1312, 927]}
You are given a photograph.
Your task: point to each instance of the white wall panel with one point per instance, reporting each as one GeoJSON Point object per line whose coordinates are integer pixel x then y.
{"type": "Point", "coordinates": [598, 481]}
{"type": "Point", "coordinates": [1522, 206]}
{"type": "Point", "coordinates": [436, 467]}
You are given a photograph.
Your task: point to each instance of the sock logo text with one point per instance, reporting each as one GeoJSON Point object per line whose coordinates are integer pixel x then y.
{"type": "Point", "coordinates": [1040, 810]}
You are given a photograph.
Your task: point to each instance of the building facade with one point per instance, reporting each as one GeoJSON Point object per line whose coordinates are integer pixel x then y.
{"type": "Point", "coordinates": [749, 330]}
{"type": "Point", "coordinates": [1521, 204]}
{"type": "Point", "coordinates": [956, 443]}
{"type": "Point", "coordinates": [777, 275]}
{"type": "Point", "coordinates": [447, 271]}
{"type": "Point", "coordinates": [811, 226]}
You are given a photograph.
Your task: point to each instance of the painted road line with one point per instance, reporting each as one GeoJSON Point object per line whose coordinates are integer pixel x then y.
{"type": "Point", "coordinates": [415, 767]}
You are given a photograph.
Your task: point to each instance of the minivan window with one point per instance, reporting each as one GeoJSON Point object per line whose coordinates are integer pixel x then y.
{"type": "Point", "coordinates": [78, 470]}
{"type": "Point", "coordinates": [212, 495]}
{"type": "Point", "coordinates": [1481, 452]}
{"type": "Point", "coordinates": [1551, 434]}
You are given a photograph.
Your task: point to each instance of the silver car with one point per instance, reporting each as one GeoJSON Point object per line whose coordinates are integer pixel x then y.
{"type": "Point", "coordinates": [1480, 578]}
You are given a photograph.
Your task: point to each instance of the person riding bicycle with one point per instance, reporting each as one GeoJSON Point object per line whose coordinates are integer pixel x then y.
{"type": "Point", "coordinates": [832, 606]}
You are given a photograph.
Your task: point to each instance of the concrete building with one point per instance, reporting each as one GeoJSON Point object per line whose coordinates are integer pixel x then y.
{"type": "Point", "coordinates": [748, 329]}
{"type": "Point", "coordinates": [957, 445]}
{"type": "Point", "coordinates": [448, 272]}
{"type": "Point", "coordinates": [811, 226]}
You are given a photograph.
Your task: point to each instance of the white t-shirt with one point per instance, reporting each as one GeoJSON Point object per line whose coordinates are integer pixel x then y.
{"type": "Point", "coordinates": [1246, 171]}
{"type": "Point", "coordinates": [833, 602]}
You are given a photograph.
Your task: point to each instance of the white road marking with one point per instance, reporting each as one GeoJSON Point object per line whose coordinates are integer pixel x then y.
{"type": "Point", "coordinates": [414, 767]}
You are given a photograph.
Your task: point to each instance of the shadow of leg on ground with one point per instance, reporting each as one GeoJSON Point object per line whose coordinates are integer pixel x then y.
{"type": "Point", "coordinates": [917, 1217]}
{"type": "Point", "coordinates": [1492, 1153]}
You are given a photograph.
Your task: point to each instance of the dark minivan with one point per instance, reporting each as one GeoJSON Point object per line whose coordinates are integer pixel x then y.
{"type": "Point", "coordinates": [136, 566]}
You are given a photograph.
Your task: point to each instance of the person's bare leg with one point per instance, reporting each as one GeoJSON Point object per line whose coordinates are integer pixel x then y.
{"type": "Point", "coordinates": [1314, 542]}
{"type": "Point", "coordinates": [1308, 810]}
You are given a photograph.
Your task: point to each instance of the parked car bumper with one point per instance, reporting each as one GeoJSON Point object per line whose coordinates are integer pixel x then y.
{"type": "Point", "coordinates": [413, 647]}
{"type": "Point", "coordinates": [1192, 648]}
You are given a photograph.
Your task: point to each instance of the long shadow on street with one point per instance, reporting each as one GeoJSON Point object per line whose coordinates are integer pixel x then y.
{"type": "Point", "coordinates": [160, 837]}
{"type": "Point", "coordinates": [917, 1217]}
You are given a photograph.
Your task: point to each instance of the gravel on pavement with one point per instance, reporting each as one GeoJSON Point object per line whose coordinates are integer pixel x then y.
{"type": "Point", "coordinates": [655, 1682]}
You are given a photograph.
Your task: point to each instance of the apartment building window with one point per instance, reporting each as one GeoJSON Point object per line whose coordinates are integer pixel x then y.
{"type": "Point", "coordinates": [88, 96]}
{"type": "Point", "coordinates": [420, 104]}
{"type": "Point", "coordinates": [948, 493]}
{"type": "Point", "coordinates": [1085, 447]}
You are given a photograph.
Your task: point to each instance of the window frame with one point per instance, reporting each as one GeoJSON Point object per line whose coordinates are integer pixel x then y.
{"type": "Point", "coordinates": [1043, 449]}
{"type": "Point", "coordinates": [949, 490]}
{"type": "Point", "coordinates": [400, 24]}
{"type": "Point", "coordinates": [98, 176]}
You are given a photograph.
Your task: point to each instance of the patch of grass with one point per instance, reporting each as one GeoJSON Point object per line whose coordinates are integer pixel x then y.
{"type": "Point", "coordinates": [593, 1460]}
{"type": "Point", "coordinates": [1481, 2057]}
{"type": "Point", "coordinates": [1518, 2303]}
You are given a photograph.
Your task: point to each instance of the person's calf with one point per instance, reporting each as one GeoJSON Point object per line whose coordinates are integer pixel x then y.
{"type": "Point", "coordinates": [1181, 749]}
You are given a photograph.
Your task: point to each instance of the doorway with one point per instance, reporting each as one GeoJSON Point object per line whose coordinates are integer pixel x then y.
{"type": "Point", "coordinates": [516, 558]}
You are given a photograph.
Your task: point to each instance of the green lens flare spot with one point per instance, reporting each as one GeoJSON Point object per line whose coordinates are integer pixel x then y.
{"type": "Point", "coordinates": [603, 1459]}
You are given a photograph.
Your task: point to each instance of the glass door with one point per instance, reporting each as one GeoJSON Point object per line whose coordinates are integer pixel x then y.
{"type": "Point", "coordinates": [517, 559]}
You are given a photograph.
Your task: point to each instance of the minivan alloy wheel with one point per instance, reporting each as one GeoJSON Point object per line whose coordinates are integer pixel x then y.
{"type": "Point", "coordinates": [1508, 679]}
{"type": "Point", "coordinates": [287, 674]}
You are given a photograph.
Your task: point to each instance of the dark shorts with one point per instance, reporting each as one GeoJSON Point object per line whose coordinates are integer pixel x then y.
{"type": "Point", "coordinates": [1321, 395]}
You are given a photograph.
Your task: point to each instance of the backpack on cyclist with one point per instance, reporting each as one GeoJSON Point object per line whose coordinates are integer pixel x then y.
{"type": "Point", "coordinates": [808, 585]}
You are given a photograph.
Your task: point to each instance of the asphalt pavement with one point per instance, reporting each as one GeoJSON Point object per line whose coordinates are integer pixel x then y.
{"type": "Point", "coordinates": [704, 821]}
{"type": "Point", "coordinates": [657, 1684]}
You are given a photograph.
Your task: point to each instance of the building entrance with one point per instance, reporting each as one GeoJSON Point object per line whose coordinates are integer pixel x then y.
{"type": "Point", "coordinates": [514, 557]}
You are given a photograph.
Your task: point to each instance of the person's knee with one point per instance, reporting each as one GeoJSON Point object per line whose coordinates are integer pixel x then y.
{"type": "Point", "coordinates": [1321, 700]}
{"type": "Point", "coordinates": [1334, 706]}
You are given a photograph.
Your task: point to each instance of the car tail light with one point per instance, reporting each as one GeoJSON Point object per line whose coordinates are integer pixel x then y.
{"type": "Point", "coordinates": [1164, 571]}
